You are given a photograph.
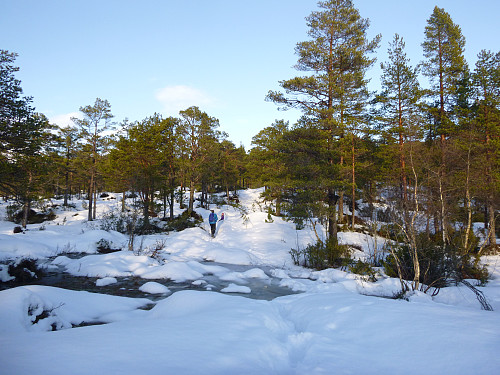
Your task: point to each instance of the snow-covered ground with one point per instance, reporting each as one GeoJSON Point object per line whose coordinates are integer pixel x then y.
{"type": "Point", "coordinates": [339, 324]}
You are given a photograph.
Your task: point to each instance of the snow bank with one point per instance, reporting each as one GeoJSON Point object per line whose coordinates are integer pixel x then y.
{"type": "Point", "coordinates": [37, 308]}
{"type": "Point", "coordinates": [192, 332]}
{"type": "Point", "coordinates": [122, 263]}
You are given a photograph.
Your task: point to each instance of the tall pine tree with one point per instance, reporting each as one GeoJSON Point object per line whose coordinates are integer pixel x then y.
{"type": "Point", "coordinates": [22, 138]}
{"type": "Point", "coordinates": [399, 98]}
{"type": "Point", "coordinates": [334, 90]}
{"type": "Point", "coordinates": [486, 79]}
{"type": "Point", "coordinates": [446, 67]}
{"type": "Point", "coordinates": [96, 119]}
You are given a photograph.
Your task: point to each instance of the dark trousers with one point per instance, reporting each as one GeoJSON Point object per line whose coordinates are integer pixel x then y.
{"type": "Point", "coordinates": [213, 227]}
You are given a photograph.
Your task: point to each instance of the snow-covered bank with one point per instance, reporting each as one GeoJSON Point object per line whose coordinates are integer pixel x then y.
{"type": "Point", "coordinates": [337, 332]}
{"type": "Point", "coordinates": [335, 325]}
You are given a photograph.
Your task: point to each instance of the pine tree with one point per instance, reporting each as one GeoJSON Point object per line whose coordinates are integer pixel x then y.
{"type": "Point", "coordinates": [228, 165]}
{"type": "Point", "coordinates": [96, 119]}
{"type": "Point", "coordinates": [66, 144]}
{"type": "Point", "coordinates": [334, 92]}
{"type": "Point", "coordinates": [23, 135]}
{"type": "Point", "coordinates": [446, 67]}
{"type": "Point", "coordinates": [305, 155]}
{"type": "Point", "coordinates": [170, 162]}
{"type": "Point", "coordinates": [197, 132]}
{"type": "Point", "coordinates": [400, 100]}
{"type": "Point", "coordinates": [117, 167]}
{"type": "Point", "coordinates": [486, 79]}
{"type": "Point", "coordinates": [267, 161]}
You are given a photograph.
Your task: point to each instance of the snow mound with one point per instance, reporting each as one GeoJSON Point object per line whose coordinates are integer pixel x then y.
{"type": "Point", "coordinates": [153, 287]}
{"type": "Point", "coordinates": [106, 281]}
{"type": "Point", "coordinates": [233, 288]}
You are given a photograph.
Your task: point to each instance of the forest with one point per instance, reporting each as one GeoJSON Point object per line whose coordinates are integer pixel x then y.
{"type": "Point", "coordinates": [427, 143]}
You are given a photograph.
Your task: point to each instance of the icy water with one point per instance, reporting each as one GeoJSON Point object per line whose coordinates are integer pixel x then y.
{"type": "Point", "coordinates": [129, 286]}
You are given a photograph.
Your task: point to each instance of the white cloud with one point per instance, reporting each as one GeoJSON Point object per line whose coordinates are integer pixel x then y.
{"type": "Point", "coordinates": [181, 97]}
{"type": "Point", "coordinates": [64, 120]}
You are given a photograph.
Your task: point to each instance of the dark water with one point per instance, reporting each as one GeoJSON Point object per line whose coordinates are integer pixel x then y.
{"type": "Point", "coordinates": [129, 286]}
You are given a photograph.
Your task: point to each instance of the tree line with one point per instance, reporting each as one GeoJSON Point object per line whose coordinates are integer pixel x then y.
{"type": "Point", "coordinates": [432, 150]}
{"type": "Point", "coordinates": [150, 157]}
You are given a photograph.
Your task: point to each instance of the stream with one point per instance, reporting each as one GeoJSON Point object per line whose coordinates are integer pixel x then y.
{"type": "Point", "coordinates": [263, 289]}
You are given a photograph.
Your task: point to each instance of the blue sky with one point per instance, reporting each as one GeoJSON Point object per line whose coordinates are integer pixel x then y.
{"type": "Point", "coordinates": [221, 55]}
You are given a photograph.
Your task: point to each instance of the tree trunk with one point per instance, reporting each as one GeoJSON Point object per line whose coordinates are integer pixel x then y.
{"type": "Point", "coordinates": [66, 187]}
{"type": "Point", "coordinates": [444, 235]}
{"type": "Point", "coordinates": [402, 161]}
{"type": "Point", "coordinates": [95, 202]}
{"type": "Point", "coordinates": [171, 203]}
{"type": "Point", "coordinates": [492, 238]}
{"type": "Point", "coordinates": [90, 196]}
{"type": "Point", "coordinates": [26, 210]}
{"type": "Point", "coordinates": [468, 202]}
{"type": "Point", "coordinates": [353, 166]}
{"type": "Point", "coordinates": [332, 217]}
{"type": "Point", "coordinates": [341, 207]}
{"type": "Point", "coordinates": [278, 204]}
{"type": "Point", "coordinates": [202, 198]}
{"type": "Point", "coordinates": [164, 204]}
{"type": "Point", "coordinates": [181, 197]}
{"type": "Point", "coordinates": [412, 230]}
{"type": "Point", "coordinates": [191, 197]}
{"type": "Point", "coordinates": [145, 211]}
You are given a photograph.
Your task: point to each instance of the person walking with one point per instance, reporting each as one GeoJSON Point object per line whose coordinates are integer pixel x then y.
{"type": "Point", "coordinates": [212, 220]}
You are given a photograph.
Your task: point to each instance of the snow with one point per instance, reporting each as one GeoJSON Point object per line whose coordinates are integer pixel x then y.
{"type": "Point", "coordinates": [153, 287]}
{"type": "Point", "coordinates": [234, 288]}
{"type": "Point", "coordinates": [4, 273]}
{"type": "Point", "coordinates": [20, 306]}
{"type": "Point", "coordinates": [106, 281]}
{"type": "Point", "coordinates": [339, 323]}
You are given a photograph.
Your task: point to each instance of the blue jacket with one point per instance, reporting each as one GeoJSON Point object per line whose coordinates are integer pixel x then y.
{"type": "Point", "coordinates": [212, 218]}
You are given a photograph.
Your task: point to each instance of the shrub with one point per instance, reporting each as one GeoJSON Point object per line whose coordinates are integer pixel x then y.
{"type": "Point", "coordinates": [364, 269]}
{"type": "Point", "coordinates": [147, 227]}
{"type": "Point", "coordinates": [321, 255]}
{"type": "Point", "coordinates": [114, 220]}
{"type": "Point", "coordinates": [435, 266]}
{"type": "Point", "coordinates": [105, 247]}
{"type": "Point", "coordinates": [11, 211]}
{"type": "Point", "coordinates": [269, 216]}
{"type": "Point", "coordinates": [439, 265]}
{"type": "Point", "coordinates": [471, 268]}
{"type": "Point", "coordinates": [184, 221]}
